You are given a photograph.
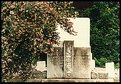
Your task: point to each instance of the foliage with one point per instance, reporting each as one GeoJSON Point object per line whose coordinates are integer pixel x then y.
{"type": "Point", "coordinates": [101, 62]}
{"type": "Point", "coordinates": [104, 17]}
{"type": "Point", "coordinates": [28, 29]}
{"type": "Point", "coordinates": [117, 65]}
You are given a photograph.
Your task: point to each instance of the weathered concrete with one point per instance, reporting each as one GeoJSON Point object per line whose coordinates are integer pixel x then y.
{"type": "Point", "coordinates": [99, 73]}
{"type": "Point", "coordinates": [68, 59]}
{"type": "Point", "coordinates": [55, 63]}
{"type": "Point", "coordinates": [110, 69]}
{"type": "Point", "coordinates": [73, 60]}
{"type": "Point", "coordinates": [41, 66]}
{"type": "Point", "coordinates": [92, 64]}
{"type": "Point", "coordinates": [39, 75]}
{"type": "Point", "coordinates": [117, 74]}
{"type": "Point", "coordinates": [82, 61]}
{"type": "Point", "coordinates": [95, 75]}
{"type": "Point", "coordinates": [70, 80]}
{"type": "Point", "coordinates": [82, 27]}
{"type": "Point", "coordinates": [69, 62]}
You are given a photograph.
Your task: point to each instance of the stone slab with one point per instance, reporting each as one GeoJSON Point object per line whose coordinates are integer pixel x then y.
{"type": "Point", "coordinates": [71, 80]}
{"type": "Point", "coordinates": [82, 27]}
{"type": "Point", "coordinates": [82, 63]}
{"type": "Point", "coordinates": [55, 63]}
{"type": "Point", "coordinates": [110, 69]}
{"type": "Point", "coordinates": [75, 62]}
{"type": "Point", "coordinates": [41, 66]}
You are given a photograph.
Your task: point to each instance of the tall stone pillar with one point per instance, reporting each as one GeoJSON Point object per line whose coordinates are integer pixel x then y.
{"type": "Point", "coordinates": [68, 59]}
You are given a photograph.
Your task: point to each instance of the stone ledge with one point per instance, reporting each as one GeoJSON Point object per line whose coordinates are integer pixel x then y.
{"type": "Point", "coordinates": [70, 80]}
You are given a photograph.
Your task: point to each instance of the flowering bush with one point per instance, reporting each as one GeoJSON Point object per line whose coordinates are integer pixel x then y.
{"type": "Point", "coordinates": [29, 28]}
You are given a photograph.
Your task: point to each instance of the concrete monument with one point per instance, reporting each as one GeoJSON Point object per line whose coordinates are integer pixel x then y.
{"type": "Point", "coordinates": [72, 58]}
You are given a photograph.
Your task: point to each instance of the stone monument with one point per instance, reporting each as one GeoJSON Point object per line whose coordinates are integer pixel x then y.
{"type": "Point", "coordinates": [72, 58]}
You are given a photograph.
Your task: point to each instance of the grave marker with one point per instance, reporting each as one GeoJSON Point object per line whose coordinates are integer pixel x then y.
{"type": "Point", "coordinates": [110, 69]}
{"type": "Point", "coordinates": [72, 58]}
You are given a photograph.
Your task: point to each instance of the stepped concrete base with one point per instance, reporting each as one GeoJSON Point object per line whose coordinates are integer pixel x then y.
{"type": "Point", "coordinates": [71, 80]}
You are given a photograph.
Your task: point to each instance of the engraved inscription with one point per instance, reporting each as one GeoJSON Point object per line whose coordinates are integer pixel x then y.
{"type": "Point", "coordinates": [68, 49]}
